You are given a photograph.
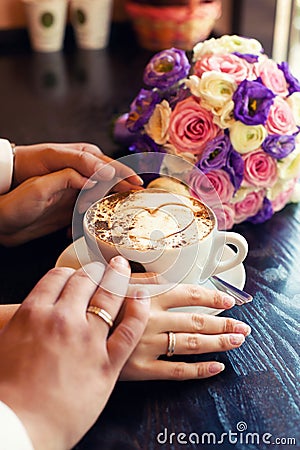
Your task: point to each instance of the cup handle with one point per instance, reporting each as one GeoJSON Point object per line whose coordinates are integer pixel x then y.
{"type": "Point", "coordinates": [241, 245]}
{"type": "Point", "coordinates": [216, 264]}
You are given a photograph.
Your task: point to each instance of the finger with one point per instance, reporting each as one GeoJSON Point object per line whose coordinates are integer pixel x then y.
{"type": "Point", "coordinates": [194, 295]}
{"type": "Point", "coordinates": [145, 278]}
{"type": "Point", "coordinates": [61, 180]}
{"type": "Point", "coordinates": [198, 344]}
{"type": "Point", "coordinates": [49, 288]}
{"type": "Point", "coordinates": [81, 286]}
{"type": "Point", "coordinates": [177, 371]}
{"type": "Point", "coordinates": [85, 147]}
{"type": "Point", "coordinates": [110, 294]}
{"type": "Point", "coordinates": [199, 323]}
{"type": "Point", "coordinates": [130, 329]}
{"type": "Point", "coordinates": [124, 172]}
{"type": "Point", "coordinates": [87, 159]}
{"type": "Point", "coordinates": [125, 186]}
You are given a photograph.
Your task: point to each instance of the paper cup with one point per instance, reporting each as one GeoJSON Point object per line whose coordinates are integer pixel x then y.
{"type": "Point", "coordinates": [46, 23]}
{"type": "Point", "coordinates": [91, 21]}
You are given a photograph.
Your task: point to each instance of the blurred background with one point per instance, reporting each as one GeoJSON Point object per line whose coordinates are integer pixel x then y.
{"type": "Point", "coordinates": [276, 23]}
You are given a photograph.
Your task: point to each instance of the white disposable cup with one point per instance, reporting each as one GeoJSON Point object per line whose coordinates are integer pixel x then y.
{"type": "Point", "coordinates": [91, 20]}
{"type": "Point", "coordinates": [46, 20]}
{"type": "Point", "coordinates": [191, 263]}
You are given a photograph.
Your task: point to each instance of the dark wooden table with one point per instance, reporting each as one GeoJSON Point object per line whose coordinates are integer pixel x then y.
{"type": "Point", "coordinates": [255, 402]}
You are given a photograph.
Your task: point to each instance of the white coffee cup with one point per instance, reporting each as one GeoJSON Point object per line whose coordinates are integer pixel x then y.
{"type": "Point", "coordinates": [170, 234]}
{"type": "Point", "coordinates": [91, 20]}
{"type": "Point", "coordinates": [46, 21]}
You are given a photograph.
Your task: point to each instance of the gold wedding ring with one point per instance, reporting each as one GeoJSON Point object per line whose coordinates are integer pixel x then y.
{"type": "Point", "coordinates": [171, 343]}
{"type": "Point", "coordinates": [104, 315]}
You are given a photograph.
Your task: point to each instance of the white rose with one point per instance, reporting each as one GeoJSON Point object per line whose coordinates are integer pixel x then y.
{"type": "Point", "coordinates": [177, 165]}
{"type": "Point", "coordinates": [295, 198]}
{"type": "Point", "coordinates": [225, 118]}
{"type": "Point", "coordinates": [241, 44]}
{"type": "Point", "coordinates": [227, 44]}
{"type": "Point", "coordinates": [193, 83]}
{"type": "Point", "coordinates": [185, 156]}
{"type": "Point", "coordinates": [279, 187]}
{"type": "Point", "coordinates": [294, 103]}
{"type": "Point", "coordinates": [216, 89]}
{"type": "Point", "coordinates": [246, 138]}
{"type": "Point", "coordinates": [158, 124]}
{"type": "Point", "coordinates": [289, 167]}
{"type": "Point", "coordinates": [242, 193]}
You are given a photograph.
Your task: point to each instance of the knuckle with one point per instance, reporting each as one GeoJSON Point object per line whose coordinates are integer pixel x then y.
{"type": "Point", "coordinates": [197, 321]}
{"type": "Point", "coordinates": [192, 342]}
{"type": "Point", "coordinates": [61, 272]}
{"type": "Point", "coordinates": [223, 342]}
{"type": "Point", "coordinates": [228, 325]}
{"type": "Point", "coordinates": [179, 371]}
{"type": "Point", "coordinates": [192, 293]}
{"type": "Point", "coordinates": [218, 299]}
{"type": "Point", "coordinates": [201, 371]}
{"type": "Point", "coordinates": [128, 335]}
{"type": "Point", "coordinates": [58, 322]}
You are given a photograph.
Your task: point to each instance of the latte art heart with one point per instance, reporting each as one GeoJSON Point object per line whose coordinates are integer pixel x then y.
{"type": "Point", "coordinates": [151, 220]}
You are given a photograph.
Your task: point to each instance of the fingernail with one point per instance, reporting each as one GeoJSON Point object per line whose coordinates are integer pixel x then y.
{"type": "Point", "coordinates": [119, 261]}
{"type": "Point", "coordinates": [242, 328]}
{"type": "Point", "coordinates": [90, 183]}
{"type": "Point", "coordinates": [236, 339]}
{"type": "Point", "coordinates": [142, 295]}
{"type": "Point", "coordinates": [105, 171]}
{"type": "Point", "coordinates": [228, 301]}
{"type": "Point", "coordinates": [141, 181]}
{"type": "Point", "coordinates": [216, 367]}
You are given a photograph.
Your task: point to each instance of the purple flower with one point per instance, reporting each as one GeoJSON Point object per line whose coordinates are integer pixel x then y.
{"type": "Point", "coordinates": [148, 159]}
{"type": "Point", "coordinates": [247, 56]}
{"type": "Point", "coordinates": [144, 144]}
{"type": "Point", "coordinates": [293, 83]}
{"type": "Point", "coordinates": [141, 109]}
{"type": "Point", "coordinates": [166, 68]}
{"type": "Point", "coordinates": [235, 168]}
{"type": "Point", "coordinates": [265, 213]}
{"type": "Point", "coordinates": [176, 94]}
{"type": "Point", "coordinates": [252, 102]}
{"type": "Point", "coordinates": [279, 146]}
{"type": "Point", "coordinates": [215, 154]}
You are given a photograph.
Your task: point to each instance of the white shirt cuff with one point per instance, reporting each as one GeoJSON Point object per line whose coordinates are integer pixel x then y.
{"type": "Point", "coordinates": [13, 435]}
{"type": "Point", "coordinates": [6, 165]}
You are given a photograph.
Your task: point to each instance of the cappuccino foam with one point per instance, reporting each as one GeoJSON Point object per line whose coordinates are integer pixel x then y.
{"type": "Point", "coordinates": [149, 219]}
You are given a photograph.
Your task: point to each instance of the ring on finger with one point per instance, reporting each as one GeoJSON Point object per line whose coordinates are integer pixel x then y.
{"type": "Point", "coordinates": [171, 344]}
{"type": "Point", "coordinates": [100, 312]}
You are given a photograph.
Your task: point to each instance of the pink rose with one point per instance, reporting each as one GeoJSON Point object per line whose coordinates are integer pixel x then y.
{"type": "Point", "coordinates": [280, 119]}
{"type": "Point", "coordinates": [249, 206]}
{"type": "Point", "coordinates": [225, 216]}
{"type": "Point", "coordinates": [260, 169]}
{"type": "Point", "coordinates": [191, 127]}
{"type": "Point", "coordinates": [228, 63]}
{"type": "Point", "coordinates": [212, 188]}
{"type": "Point", "coordinates": [283, 198]}
{"type": "Point", "coordinates": [272, 77]}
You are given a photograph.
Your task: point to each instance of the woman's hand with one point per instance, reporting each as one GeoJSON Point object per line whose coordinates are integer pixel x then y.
{"type": "Point", "coordinates": [59, 363]}
{"type": "Point", "coordinates": [195, 334]}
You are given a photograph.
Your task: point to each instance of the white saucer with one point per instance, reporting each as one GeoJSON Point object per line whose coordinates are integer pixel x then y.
{"type": "Point", "coordinates": [76, 255]}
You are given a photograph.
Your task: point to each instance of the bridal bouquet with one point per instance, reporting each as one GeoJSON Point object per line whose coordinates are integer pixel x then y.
{"type": "Point", "coordinates": [235, 115]}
